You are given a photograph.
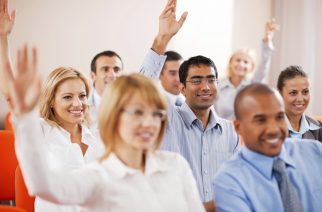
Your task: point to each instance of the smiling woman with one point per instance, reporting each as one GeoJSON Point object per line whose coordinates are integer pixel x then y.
{"type": "Point", "coordinates": [294, 86]}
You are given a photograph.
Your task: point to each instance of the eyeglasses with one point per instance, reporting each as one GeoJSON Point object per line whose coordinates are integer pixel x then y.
{"type": "Point", "coordinates": [198, 80]}
{"type": "Point", "coordinates": [140, 114]}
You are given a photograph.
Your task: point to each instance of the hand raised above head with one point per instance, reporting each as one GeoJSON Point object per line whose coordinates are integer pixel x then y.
{"type": "Point", "coordinates": [270, 28]}
{"type": "Point", "coordinates": [168, 26]}
{"type": "Point", "coordinates": [24, 87]}
{"type": "Point", "coordinates": [6, 20]}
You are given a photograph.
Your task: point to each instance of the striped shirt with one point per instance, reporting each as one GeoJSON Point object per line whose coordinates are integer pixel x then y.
{"type": "Point", "coordinates": [204, 149]}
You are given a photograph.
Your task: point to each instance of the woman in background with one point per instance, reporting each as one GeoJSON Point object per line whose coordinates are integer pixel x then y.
{"type": "Point", "coordinates": [294, 86]}
{"type": "Point", "coordinates": [131, 176]}
{"type": "Point", "coordinates": [241, 63]}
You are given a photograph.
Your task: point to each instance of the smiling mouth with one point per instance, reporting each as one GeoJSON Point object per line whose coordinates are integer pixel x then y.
{"type": "Point", "coordinates": [76, 112]}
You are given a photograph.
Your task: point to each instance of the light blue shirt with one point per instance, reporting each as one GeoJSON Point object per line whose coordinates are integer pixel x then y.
{"type": "Point", "coordinates": [246, 182]}
{"type": "Point", "coordinates": [304, 127]}
{"type": "Point", "coordinates": [204, 149]}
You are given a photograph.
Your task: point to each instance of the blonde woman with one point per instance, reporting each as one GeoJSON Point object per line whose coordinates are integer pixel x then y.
{"type": "Point", "coordinates": [131, 176]}
{"type": "Point", "coordinates": [241, 63]}
{"type": "Point", "coordinates": [64, 118]}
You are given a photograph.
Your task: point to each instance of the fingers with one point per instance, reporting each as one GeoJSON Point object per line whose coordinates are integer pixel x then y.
{"type": "Point", "coordinates": [183, 18]}
{"type": "Point", "coordinates": [13, 16]}
{"type": "Point", "coordinates": [34, 60]}
{"type": "Point", "coordinates": [169, 7]}
{"type": "Point", "coordinates": [5, 6]}
{"type": "Point", "coordinates": [2, 6]}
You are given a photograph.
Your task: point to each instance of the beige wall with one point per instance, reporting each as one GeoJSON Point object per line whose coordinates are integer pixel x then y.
{"type": "Point", "coordinates": [70, 33]}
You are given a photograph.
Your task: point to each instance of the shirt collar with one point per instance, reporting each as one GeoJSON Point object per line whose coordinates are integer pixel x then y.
{"type": "Point", "coordinates": [190, 118]}
{"type": "Point", "coordinates": [263, 163]}
{"type": "Point", "coordinates": [119, 170]}
{"type": "Point", "coordinates": [304, 126]}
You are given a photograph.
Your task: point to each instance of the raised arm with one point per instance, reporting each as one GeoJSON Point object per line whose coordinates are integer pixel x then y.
{"type": "Point", "coordinates": [168, 27]}
{"type": "Point", "coordinates": [267, 51]}
{"type": "Point", "coordinates": [57, 187]}
{"type": "Point", "coordinates": [6, 24]}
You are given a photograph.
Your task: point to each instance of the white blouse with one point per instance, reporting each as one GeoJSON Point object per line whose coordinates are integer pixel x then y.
{"type": "Point", "coordinates": [62, 155]}
{"type": "Point", "coordinates": [166, 185]}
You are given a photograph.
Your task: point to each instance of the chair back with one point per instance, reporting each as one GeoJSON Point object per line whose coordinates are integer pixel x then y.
{"type": "Point", "coordinates": [8, 164]}
{"type": "Point", "coordinates": [6, 208]}
{"type": "Point", "coordinates": [23, 200]}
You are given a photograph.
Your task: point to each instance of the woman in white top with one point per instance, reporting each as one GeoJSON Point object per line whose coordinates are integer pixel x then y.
{"type": "Point", "coordinates": [241, 63]}
{"type": "Point", "coordinates": [131, 176]}
{"type": "Point", "coordinates": [69, 144]}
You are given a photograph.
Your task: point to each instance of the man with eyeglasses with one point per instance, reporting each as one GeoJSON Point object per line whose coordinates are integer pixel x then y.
{"type": "Point", "coordinates": [194, 130]}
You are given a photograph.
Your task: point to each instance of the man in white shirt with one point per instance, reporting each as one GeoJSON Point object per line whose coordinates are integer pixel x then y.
{"type": "Point", "coordinates": [169, 78]}
{"type": "Point", "coordinates": [105, 67]}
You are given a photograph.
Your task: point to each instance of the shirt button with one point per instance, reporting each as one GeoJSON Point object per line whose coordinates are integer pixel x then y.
{"type": "Point", "coordinates": [205, 172]}
{"type": "Point", "coordinates": [207, 191]}
{"type": "Point", "coordinates": [204, 153]}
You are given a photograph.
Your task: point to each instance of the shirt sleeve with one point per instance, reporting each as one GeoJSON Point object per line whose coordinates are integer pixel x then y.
{"type": "Point", "coordinates": [190, 187]}
{"type": "Point", "coordinates": [57, 187]}
{"type": "Point", "coordinates": [228, 195]}
{"type": "Point", "coordinates": [265, 61]}
{"type": "Point", "coordinates": [152, 64]}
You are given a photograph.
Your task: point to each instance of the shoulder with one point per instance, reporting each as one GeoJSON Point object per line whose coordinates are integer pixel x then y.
{"type": "Point", "coordinates": [311, 120]}
{"type": "Point", "coordinates": [303, 147]}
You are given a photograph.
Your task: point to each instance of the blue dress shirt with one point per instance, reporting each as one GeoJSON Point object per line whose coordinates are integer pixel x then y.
{"type": "Point", "coordinates": [246, 183]}
{"type": "Point", "coordinates": [204, 149]}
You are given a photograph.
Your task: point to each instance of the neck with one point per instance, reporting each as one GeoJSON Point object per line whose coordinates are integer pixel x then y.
{"type": "Point", "coordinates": [74, 130]}
{"type": "Point", "coordinates": [99, 91]}
{"type": "Point", "coordinates": [236, 80]}
{"type": "Point", "coordinates": [295, 121]}
{"type": "Point", "coordinates": [131, 157]}
{"type": "Point", "coordinates": [203, 116]}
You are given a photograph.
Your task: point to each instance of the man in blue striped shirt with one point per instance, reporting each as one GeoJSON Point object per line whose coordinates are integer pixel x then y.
{"type": "Point", "coordinates": [194, 130]}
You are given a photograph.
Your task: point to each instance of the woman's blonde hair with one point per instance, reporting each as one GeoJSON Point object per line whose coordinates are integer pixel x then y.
{"type": "Point", "coordinates": [54, 79]}
{"type": "Point", "coordinates": [116, 97]}
{"type": "Point", "coordinates": [250, 53]}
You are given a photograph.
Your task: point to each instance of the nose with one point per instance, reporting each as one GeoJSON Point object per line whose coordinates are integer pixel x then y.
{"type": "Point", "coordinates": [111, 74]}
{"type": "Point", "coordinates": [299, 97]}
{"type": "Point", "coordinates": [205, 84]}
{"type": "Point", "coordinates": [273, 128]}
{"type": "Point", "coordinates": [77, 102]}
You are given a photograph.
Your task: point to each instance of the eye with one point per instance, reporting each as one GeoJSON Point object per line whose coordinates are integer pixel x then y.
{"type": "Point", "coordinates": [306, 92]}
{"type": "Point", "coordinates": [82, 96]}
{"type": "Point", "coordinates": [196, 81]}
{"type": "Point", "coordinates": [160, 114]}
{"type": "Point", "coordinates": [281, 117]}
{"type": "Point", "coordinates": [293, 93]}
{"type": "Point", "coordinates": [138, 112]}
{"type": "Point", "coordinates": [212, 80]}
{"type": "Point", "coordinates": [260, 120]}
{"type": "Point", "coordinates": [67, 97]}
{"type": "Point", "coordinates": [117, 69]}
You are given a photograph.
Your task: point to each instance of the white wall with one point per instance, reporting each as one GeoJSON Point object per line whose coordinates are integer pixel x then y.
{"type": "Point", "coordinates": [300, 43]}
{"type": "Point", "coordinates": [71, 32]}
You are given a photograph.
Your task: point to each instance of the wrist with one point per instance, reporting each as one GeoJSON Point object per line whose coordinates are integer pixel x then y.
{"type": "Point", "coordinates": [160, 43]}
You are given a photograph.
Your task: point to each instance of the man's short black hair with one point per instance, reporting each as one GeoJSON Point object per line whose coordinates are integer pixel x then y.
{"type": "Point", "coordinates": [195, 61]}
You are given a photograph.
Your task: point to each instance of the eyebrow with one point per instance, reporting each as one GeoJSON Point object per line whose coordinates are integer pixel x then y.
{"type": "Point", "coordinates": [200, 77]}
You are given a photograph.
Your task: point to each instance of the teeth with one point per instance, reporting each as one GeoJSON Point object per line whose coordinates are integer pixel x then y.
{"type": "Point", "coordinates": [75, 111]}
{"type": "Point", "coordinates": [272, 141]}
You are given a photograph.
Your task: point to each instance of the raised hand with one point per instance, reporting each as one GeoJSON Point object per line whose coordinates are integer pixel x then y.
{"type": "Point", "coordinates": [270, 28]}
{"type": "Point", "coordinates": [168, 26]}
{"type": "Point", "coordinates": [6, 21]}
{"type": "Point", "coordinates": [24, 88]}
